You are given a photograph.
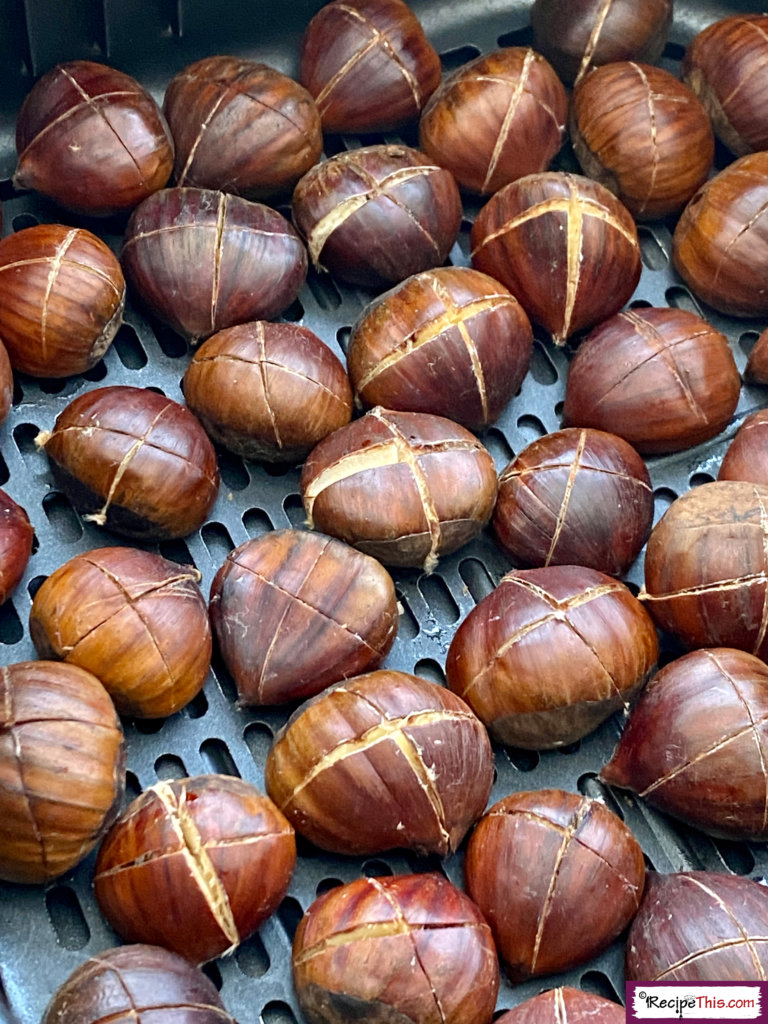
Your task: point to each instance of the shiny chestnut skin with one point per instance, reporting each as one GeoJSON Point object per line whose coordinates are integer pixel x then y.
{"type": "Point", "coordinates": [137, 621]}
{"type": "Point", "coordinates": [134, 461]}
{"type": "Point", "coordinates": [62, 294]}
{"type": "Point", "coordinates": [387, 740]}
{"type": "Point", "coordinates": [405, 487]}
{"type": "Point", "coordinates": [202, 261]}
{"type": "Point", "coordinates": [195, 865]}
{"type": "Point", "coordinates": [6, 383]}
{"type": "Point", "coordinates": [241, 126]}
{"type": "Point", "coordinates": [699, 926]}
{"type": "Point", "coordinates": [757, 361]}
{"type": "Point", "coordinates": [557, 876]}
{"type": "Point", "coordinates": [137, 982]}
{"type": "Point", "coordinates": [61, 760]}
{"type": "Point", "coordinates": [368, 64]}
{"type": "Point", "coordinates": [664, 379]}
{"type": "Point", "coordinates": [565, 1004]}
{"type": "Point", "coordinates": [746, 457]}
{"type": "Point", "coordinates": [643, 134]}
{"type": "Point", "coordinates": [549, 654]}
{"type": "Point", "coordinates": [376, 215]}
{"type": "Point", "coordinates": [294, 611]}
{"type": "Point", "coordinates": [575, 496]}
{"type": "Point", "coordinates": [563, 245]}
{"type": "Point", "coordinates": [407, 948]}
{"type": "Point", "coordinates": [92, 139]}
{"type": "Point", "coordinates": [449, 341]}
{"type": "Point", "coordinates": [17, 537]}
{"type": "Point", "coordinates": [497, 118]}
{"type": "Point", "coordinates": [268, 391]}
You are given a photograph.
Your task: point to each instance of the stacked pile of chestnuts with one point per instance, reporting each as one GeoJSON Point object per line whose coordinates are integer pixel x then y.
{"type": "Point", "coordinates": [394, 477]}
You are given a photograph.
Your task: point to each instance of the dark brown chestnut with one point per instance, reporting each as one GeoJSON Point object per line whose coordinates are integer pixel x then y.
{"type": "Point", "coordinates": [382, 761]}
{"type": "Point", "coordinates": [195, 865]}
{"type": "Point", "coordinates": [268, 391]}
{"type": "Point", "coordinates": [376, 215]}
{"type": "Point", "coordinates": [562, 1004]}
{"type": "Point", "coordinates": [61, 761]}
{"type": "Point", "coordinates": [405, 487]}
{"type": "Point", "coordinates": [294, 611]}
{"type": "Point", "coordinates": [92, 139]}
{"type": "Point", "coordinates": [563, 245]}
{"type": "Point", "coordinates": [368, 64]}
{"type": "Point", "coordinates": [241, 127]}
{"type": "Point", "coordinates": [201, 260]}
{"type": "Point", "coordinates": [405, 948]}
{"type": "Point", "coordinates": [557, 876]}
{"type": "Point", "coordinates": [16, 539]}
{"type": "Point", "coordinates": [575, 496]}
{"type": "Point", "coordinates": [664, 379]}
{"type": "Point", "coordinates": [549, 654]}
{"type": "Point", "coordinates": [757, 362]}
{"type": "Point", "coordinates": [134, 461]}
{"type": "Point", "coordinates": [746, 457]}
{"type": "Point", "coordinates": [137, 621]}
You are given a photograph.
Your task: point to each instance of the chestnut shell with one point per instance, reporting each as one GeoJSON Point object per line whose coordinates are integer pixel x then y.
{"type": "Point", "coordinates": [565, 1004]}
{"type": "Point", "coordinates": [17, 537]}
{"type": "Point", "coordinates": [746, 457]}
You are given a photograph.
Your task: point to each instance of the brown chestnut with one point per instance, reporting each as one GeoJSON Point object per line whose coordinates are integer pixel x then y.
{"type": "Point", "coordinates": [92, 139]}
{"type": "Point", "coordinates": [368, 64]}
{"type": "Point", "coordinates": [376, 215]}
{"type": "Point", "coordinates": [497, 118]}
{"type": "Point", "coordinates": [664, 379]}
{"type": "Point", "coordinates": [268, 391]}
{"type": "Point", "coordinates": [565, 1004]}
{"type": "Point", "coordinates": [746, 457]}
{"type": "Point", "coordinates": [563, 245]}
{"type": "Point", "coordinates": [61, 761]}
{"type": "Point", "coordinates": [405, 487]}
{"type": "Point", "coordinates": [757, 362]}
{"type": "Point", "coordinates": [575, 496]}
{"type": "Point", "coordinates": [16, 539]}
{"type": "Point", "coordinates": [6, 383]}
{"type": "Point", "coordinates": [406, 948]}
{"type": "Point", "coordinates": [294, 611]}
{"type": "Point", "coordinates": [137, 621]}
{"type": "Point", "coordinates": [549, 654]}
{"type": "Point", "coordinates": [201, 260]}
{"type": "Point", "coordinates": [382, 761]}
{"type": "Point", "coordinates": [557, 876]}
{"type": "Point", "coordinates": [195, 865]}
{"type": "Point", "coordinates": [134, 461]}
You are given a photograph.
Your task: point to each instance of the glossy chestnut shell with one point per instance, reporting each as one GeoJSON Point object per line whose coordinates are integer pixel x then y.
{"type": "Point", "coordinates": [565, 1004]}
{"type": "Point", "coordinates": [746, 457]}
{"type": "Point", "coordinates": [757, 361]}
{"type": "Point", "coordinates": [6, 383]}
{"type": "Point", "coordinates": [17, 536]}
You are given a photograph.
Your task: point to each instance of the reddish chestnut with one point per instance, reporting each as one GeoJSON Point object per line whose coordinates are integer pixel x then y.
{"type": "Point", "coordinates": [6, 383]}
{"type": "Point", "coordinates": [16, 538]}
{"type": "Point", "coordinates": [746, 457]}
{"type": "Point", "coordinates": [562, 1004]}
{"type": "Point", "coordinates": [757, 361]}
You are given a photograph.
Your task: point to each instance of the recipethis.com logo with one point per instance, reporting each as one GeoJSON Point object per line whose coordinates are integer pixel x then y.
{"type": "Point", "coordinates": [705, 1001]}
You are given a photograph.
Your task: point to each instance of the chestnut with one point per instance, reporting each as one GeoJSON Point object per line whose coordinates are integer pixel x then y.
{"type": "Point", "coordinates": [405, 487]}
{"type": "Point", "coordinates": [134, 461]}
{"type": "Point", "coordinates": [407, 948]}
{"type": "Point", "coordinates": [549, 654]}
{"type": "Point", "coordinates": [241, 126]}
{"type": "Point", "coordinates": [294, 611]}
{"type": "Point", "coordinates": [17, 536]}
{"type": "Point", "coordinates": [565, 1004]}
{"type": "Point", "coordinates": [575, 496]}
{"type": "Point", "coordinates": [201, 260]}
{"type": "Point", "coordinates": [449, 341]}
{"type": "Point", "coordinates": [268, 391]}
{"type": "Point", "coordinates": [368, 64]}
{"type": "Point", "coordinates": [62, 294]}
{"type": "Point", "coordinates": [664, 379]}
{"type": "Point", "coordinates": [376, 215]}
{"type": "Point", "coordinates": [61, 761]}
{"type": "Point", "coordinates": [557, 876]}
{"type": "Point", "coordinates": [137, 982]}
{"type": "Point", "coordinates": [6, 383]}
{"type": "Point", "coordinates": [137, 621]}
{"type": "Point", "coordinates": [699, 926]}
{"type": "Point", "coordinates": [382, 761]}
{"type": "Point", "coordinates": [563, 245]}
{"type": "Point", "coordinates": [92, 139]}
{"type": "Point", "coordinates": [746, 457]}
{"type": "Point", "coordinates": [757, 362]}
{"type": "Point", "coordinates": [195, 865]}
{"type": "Point", "coordinates": [496, 118]}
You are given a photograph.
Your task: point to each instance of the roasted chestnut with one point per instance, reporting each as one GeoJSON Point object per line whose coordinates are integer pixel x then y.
{"type": "Point", "coordinates": [16, 539]}
{"type": "Point", "coordinates": [195, 865]}
{"type": "Point", "coordinates": [565, 1004]}
{"type": "Point", "coordinates": [397, 948]}
{"type": "Point", "coordinates": [746, 457]}
{"type": "Point", "coordinates": [405, 487]}
{"type": "Point", "coordinates": [137, 621]}
{"type": "Point", "coordinates": [6, 383]}
{"type": "Point", "coordinates": [134, 461]}
{"type": "Point", "coordinates": [382, 761]}
{"type": "Point", "coordinates": [92, 139]}
{"type": "Point", "coordinates": [550, 653]}
{"type": "Point", "coordinates": [294, 611]}
{"type": "Point", "coordinates": [757, 361]}
{"type": "Point", "coordinates": [61, 761]}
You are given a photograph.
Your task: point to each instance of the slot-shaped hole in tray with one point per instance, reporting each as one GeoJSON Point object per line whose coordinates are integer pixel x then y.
{"type": "Point", "coordinates": [277, 1012]}
{"type": "Point", "coordinates": [430, 669]}
{"type": "Point", "coordinates": [289, 913]}
{"type": "Point", "coordinates": [234, 474]}
{"type": "Point", "coordinates": [169, 767]}
{"type": "Point", "coordinates": [217, 540]}
{"type": "Point", "coordinates": [258, 738]}
{"type": "Point", "coordinates": [256, 522]}
{"type": "Point", "coordinates": [438, 596]}
{"type": "Point", "coordinates": [129, 348]}
{"type": "Point", "coordinates": [252, 958]}
{"type": "Point", "coordinates": [477, 578]}
{"type": "Point", "coordinates": [218, 758]}
{"type": "Point", "coordinates": [66, 917]}
{"type": "Point", "coordinates": [408, 625]}
{"type": "Point", "coordinates": [11, 627]}
{"type": "Point", "coordinates": [599, 984]}
{"type": "Point", "coordinates": [62, 517]}
{"type": "Point", "coordinates": [542, 369]}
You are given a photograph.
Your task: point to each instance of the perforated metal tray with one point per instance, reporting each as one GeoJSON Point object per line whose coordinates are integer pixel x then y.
{"type": "Point", "coordinates": [46, 932]}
